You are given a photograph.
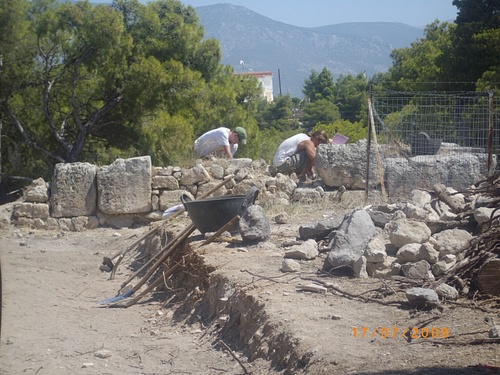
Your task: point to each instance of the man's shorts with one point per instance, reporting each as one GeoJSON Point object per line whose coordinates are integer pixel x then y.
{"type": "Point", "coordinates": [293, 163]}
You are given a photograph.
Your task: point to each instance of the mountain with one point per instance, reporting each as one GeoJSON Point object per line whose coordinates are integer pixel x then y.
{"type": "Point", "coordinates": [263, 44]}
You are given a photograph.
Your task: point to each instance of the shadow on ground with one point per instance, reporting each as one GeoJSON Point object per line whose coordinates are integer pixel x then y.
{"type": "Point", "coordinates": [473, 370]}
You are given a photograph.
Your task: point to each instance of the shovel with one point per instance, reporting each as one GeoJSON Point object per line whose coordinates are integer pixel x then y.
{"type": "Point", "coordinates": [171, 246]}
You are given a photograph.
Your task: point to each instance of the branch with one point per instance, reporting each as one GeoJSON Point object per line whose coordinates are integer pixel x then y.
{"type": "Point", "coordinates": [48, 83]}
{"type": "Point", "coordinates": [48, 117]}
{"type": "Point", "coordinates": [443, 195]}
{"type": "Point", "coordinates": [234, 356]}
{"type": "Point", "coordinates": [30, 140]}
{"type": "Point", "coordinates": [93, 119]}
{"type": "Point", "coordinates": [10, 177]}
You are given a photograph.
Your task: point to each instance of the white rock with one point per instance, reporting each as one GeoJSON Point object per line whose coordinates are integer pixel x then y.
{"type": "Point", "coordinates": [290, 265]}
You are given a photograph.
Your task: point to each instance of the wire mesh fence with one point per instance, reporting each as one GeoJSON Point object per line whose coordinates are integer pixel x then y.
{"type": "Point", "coordinates": [428, 138]}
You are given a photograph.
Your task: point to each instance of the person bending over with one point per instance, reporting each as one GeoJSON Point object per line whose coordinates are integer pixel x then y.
{"type": "Point", "coordinates": [220, 142]}
{"type": "Point", "coordinates": [297, 153]}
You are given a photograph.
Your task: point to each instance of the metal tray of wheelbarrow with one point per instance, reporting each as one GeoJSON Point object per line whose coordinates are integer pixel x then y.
{"type": "Point", "coordinates": [423, 144]}
{"type": "Point", "coordinates": [211, 214]}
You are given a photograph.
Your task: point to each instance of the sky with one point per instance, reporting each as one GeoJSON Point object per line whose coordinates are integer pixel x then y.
{"type": "Point", "coordinates": [315, 13]}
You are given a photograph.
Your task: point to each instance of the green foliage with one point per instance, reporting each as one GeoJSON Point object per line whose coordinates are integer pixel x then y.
{"type": "Point", "coordinates": [489, 81]}
{"type": "Point", "coordinates": [475, 49]}
{"type": "Point", "coordinates": [91, 83]}
{"type": "Point", "coordinates": [460, 56]}
{"type": "Point", "coordinates": [207, 59]}
{"type": "Point", "coordinates": [67, 83]}
{"type": "Point", "coordinates": [14, 160]}
{"type": "Point", "coordinates": [319, 86]}
{"type": "Point", "coordinates": [228, 100]}
{"type": "Point", "coordinates": [351, 97]}
{"type": "Point", "coordinates": [354, 131]}
{"type": "Point", "coordinates": [419, 67]}
{"type": "Point", "coordinates": [320, 111]}
{"type": "Point", "coordinates": [327, 102]}
{"type": "Point", "coordinates": [278, 114]}
{"type": "Point", "coordinates": [167, 139]}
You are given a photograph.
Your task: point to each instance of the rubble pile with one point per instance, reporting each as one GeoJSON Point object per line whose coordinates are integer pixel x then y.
{"type": "Point", "coordinates": [452, 248]}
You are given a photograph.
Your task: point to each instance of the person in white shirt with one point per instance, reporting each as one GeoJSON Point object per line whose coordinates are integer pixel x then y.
{"type": "Point", "coordinates": [296, 154]}
{"type": "Point", "coordinates": [220, 142]}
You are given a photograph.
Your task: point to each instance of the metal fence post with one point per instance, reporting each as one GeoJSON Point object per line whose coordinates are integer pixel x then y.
{"type": "Point", "coordinates": [490, 133]}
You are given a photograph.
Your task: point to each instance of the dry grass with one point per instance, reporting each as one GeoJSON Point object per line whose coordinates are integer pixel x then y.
{"type": "Point", "coordinates": [293, 209]}
{"type": "Point", "coordinates": [328, 204]}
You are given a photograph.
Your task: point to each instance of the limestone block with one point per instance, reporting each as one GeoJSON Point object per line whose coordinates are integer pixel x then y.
{"type": "Point", "coordinates": [124, 187]}
{"type": "Point", "coordinates": [451, 241]}
{"type": "Point", "coordinates": [73, 190]}
{"type": "Point", "coordinates": [402, 232]}
{"type": "Point", "coordinates": [37, 192]}
{"type": "Point", "coordinates": [345, 165]}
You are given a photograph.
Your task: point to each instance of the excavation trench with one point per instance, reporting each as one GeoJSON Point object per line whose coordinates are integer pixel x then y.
{"type": "Point", "coordinates": [237, 294]}
{"type": "Point", "coordinates": [227, 303]}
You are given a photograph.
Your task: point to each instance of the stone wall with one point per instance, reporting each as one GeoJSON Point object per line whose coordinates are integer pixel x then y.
{"type": "Point", "coordinates": [456, 167]}
{"type": "Point", "coordinates": [132, 192]}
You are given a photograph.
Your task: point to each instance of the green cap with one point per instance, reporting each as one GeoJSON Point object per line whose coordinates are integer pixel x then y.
{"type": "Point", "coordinates": [242, 134]}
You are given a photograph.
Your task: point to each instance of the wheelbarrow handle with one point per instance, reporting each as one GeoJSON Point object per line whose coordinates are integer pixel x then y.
{"type": "Point", "coordinates": [250, 198]}
{"type": "Point", "coordinates": [185, 199]}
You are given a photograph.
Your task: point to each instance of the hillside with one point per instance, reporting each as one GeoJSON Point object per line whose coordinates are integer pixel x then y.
{"type": "Point", "coordinates": [264, 44]}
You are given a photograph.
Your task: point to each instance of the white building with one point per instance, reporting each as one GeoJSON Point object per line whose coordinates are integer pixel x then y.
{"type": "Point", "coordinates": [266, 79]}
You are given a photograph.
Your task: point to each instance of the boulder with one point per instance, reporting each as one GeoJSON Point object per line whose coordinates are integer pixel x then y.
{"type": "Point", "coordinates": [350, 241]}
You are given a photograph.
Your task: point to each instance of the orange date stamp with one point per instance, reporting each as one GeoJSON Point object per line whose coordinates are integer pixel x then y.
{"type": "Point", "coordinates": [407, 332]}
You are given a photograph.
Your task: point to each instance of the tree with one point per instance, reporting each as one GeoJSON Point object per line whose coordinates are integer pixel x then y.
{"type": "Point", "coordinates": [420, 66]}
{"type": "Point", "coordinates": [351, 93]}
{"type": "Point", "coordinates": [96, 82]}
{"type": "Point", "coordinates": [320, 111]}
{"type": "Point", "coordinates": [452, 56]}
{"type": "Point", "coordinates": [64, 74]}
{"type": "Point", "coordinates": [475, 40]}
{"type": "Point", "coordinates": [319, 86]}
{"type": "Point", "coordinates": [279, 114]}
{"type": "Point", "coordinates": [15, 45]}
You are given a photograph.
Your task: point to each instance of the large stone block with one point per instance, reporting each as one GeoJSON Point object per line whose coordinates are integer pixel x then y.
{"type": "Point", "coordinates": [346, 165]}
{"type": "Point", "coordinates": [124, 187]}
{"type": "Point", "coordinates": [73, 190]}
{"type": "Point", "coordinates": [458, 171]}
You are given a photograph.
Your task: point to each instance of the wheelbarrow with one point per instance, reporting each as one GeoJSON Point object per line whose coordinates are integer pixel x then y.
{"type": "Point", "coordinates": [423, 144]}
{"type": "Point", "coordinates": [211, 214]}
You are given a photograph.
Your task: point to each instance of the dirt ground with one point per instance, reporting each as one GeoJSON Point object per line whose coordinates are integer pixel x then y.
{"type": "Point", "coordinates": [244, 316]}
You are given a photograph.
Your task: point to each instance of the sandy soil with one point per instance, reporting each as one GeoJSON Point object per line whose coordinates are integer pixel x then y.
{"type": "Point", "coordinates": [226, 294]}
